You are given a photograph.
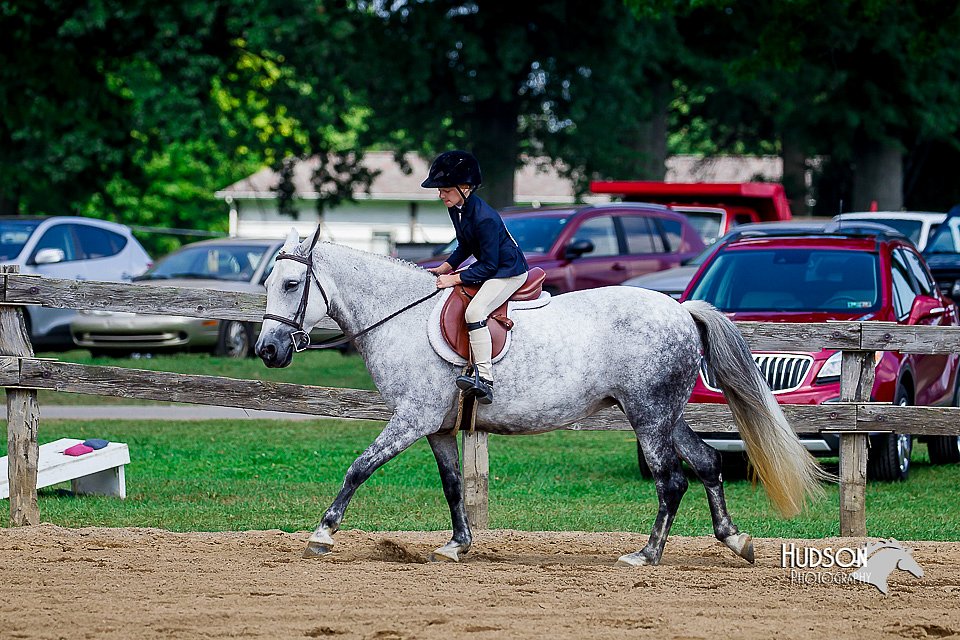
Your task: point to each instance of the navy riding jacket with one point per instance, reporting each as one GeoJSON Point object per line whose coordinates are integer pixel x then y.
{"type": "Point", "coordinates": [481, 233]}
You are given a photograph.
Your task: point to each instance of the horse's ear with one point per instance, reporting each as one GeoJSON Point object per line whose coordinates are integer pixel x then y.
{"type": "Point", "coordinates": [293, 239]}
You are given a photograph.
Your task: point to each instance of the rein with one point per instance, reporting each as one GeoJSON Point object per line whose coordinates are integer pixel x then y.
{"type": "Point", "coordinates": [300, 337]}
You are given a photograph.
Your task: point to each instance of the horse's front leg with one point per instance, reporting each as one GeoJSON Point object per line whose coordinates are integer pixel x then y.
{"type": "Point", "coordinates": [399, 434]}
{"type": "Point", "coordinates": [448, 460]}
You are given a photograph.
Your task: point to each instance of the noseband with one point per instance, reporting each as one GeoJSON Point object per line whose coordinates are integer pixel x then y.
{"type": "Point", "coordinates": [300, 337]}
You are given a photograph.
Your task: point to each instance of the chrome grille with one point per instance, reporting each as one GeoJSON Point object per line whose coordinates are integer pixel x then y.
{"type": "Point", "coordinates": [783, 371]}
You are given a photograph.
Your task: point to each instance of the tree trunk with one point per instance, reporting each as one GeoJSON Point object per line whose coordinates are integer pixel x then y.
{"type": "Point", "coordinates": [794, 175]}
{"type": "Point", "coordinates": [651, 139]}
{"type": "Point", "coordinates": [494, 140]}
{"type": "Point", "coordinates": [9, 205]}
{"type": "Point", "coordinates": [878, 177]}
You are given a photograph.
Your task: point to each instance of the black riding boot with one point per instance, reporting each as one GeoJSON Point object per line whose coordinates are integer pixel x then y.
{"type": "Point", "coordinates": [472, 384]}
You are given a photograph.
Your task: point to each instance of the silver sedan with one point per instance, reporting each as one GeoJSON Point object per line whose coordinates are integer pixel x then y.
{"type": "Point", "coordinates": [234, 264]}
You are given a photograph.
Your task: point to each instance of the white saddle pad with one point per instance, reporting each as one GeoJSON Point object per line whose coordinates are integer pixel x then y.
{"type": "Point", "coordinates": [447, 353]}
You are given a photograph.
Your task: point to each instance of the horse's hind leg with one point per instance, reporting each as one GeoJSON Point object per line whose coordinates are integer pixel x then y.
{"type": "Point", "coordinates": [657, 443]}
{"type": "Point", "coordinates": [399, 434]}
{"type": "Point", "coordinates": [705, 461]}
{"type": "Point", "coordinates": [448, 461]}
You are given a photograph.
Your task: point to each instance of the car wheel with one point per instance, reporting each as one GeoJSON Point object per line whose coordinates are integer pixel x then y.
{"type": "Point", "coordinates": [889, 456]}
{"type": "Point", "coordinates": [946, 449]}
{"type": "Point", "coordinates": [235, 340]}
{"type": "Point", "coordinates": [347, 349]}
{"type": "Point", "coordinates": [734, 465]}
{"type": "Point", "coordinates": [109, 353]}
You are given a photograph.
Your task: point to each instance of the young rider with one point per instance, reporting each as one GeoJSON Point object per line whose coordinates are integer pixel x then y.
{"type": "Point", "coordinates": [500, 268]}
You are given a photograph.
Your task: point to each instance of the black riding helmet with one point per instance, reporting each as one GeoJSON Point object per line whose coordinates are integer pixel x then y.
{"type": "Point", "coordinates": [452, 168]}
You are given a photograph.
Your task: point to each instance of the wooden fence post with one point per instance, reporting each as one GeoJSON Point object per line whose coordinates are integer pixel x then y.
{"type": "Point", "coordinates": [476, 478]}
{"type": "Point", "coordinates": [856, 383]}
{"type": "Point", "coordinates": [23, 419]}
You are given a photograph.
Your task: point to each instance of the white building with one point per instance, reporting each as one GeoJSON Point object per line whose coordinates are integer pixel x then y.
{"type": "Point", "coordinates": [397, 210]}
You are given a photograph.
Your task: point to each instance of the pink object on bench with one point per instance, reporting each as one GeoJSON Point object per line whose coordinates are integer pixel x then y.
{"type": "Point", "coordinates": [77, 450]}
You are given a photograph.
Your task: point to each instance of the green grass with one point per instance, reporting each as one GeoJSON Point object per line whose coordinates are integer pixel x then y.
{"type": "Point", "coordinates": [321, 368]}
{"type": "Point", "coordinates": [221, 475]}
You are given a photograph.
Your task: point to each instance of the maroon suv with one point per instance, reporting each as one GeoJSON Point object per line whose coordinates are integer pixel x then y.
{"type": "Point", "coordinates": [581, 247]}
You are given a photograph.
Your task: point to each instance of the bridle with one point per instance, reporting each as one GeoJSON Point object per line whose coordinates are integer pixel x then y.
{"type": "Point", "coordinates": [300, 337]}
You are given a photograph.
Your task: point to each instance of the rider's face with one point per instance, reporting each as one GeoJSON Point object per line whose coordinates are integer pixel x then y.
{"type": "Point", "coordinates": [450, 196]}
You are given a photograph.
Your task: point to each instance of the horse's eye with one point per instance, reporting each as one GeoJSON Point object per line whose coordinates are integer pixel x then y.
{"type": "Point", "coordinates": [290, 285]}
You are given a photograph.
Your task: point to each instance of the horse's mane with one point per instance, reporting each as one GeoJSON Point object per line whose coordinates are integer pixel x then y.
{"type": "Point", "coordinates": [873, 547]}
{"type": "Point", "coordinates": [369, 256]}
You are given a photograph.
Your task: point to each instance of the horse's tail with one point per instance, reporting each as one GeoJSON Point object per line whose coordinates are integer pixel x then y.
{"type": "Point", "coordinates": [789, 473]}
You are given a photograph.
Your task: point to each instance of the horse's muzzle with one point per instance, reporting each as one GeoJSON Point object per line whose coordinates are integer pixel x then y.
{"type": "Point", "coordinates": [274, 355]}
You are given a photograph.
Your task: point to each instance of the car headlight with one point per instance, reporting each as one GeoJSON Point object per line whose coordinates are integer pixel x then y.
{"type": "Point", "coordinates": [830, 371]}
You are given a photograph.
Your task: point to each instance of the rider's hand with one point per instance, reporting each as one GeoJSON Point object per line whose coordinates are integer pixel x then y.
{"type": "Point", "coordinates": [441, 269]}
{"type": "Point", "coordinates": [445, 281]}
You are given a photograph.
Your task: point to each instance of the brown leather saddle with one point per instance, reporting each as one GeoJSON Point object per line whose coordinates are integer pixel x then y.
{"type": "Point", "coordinates": [454, 327]}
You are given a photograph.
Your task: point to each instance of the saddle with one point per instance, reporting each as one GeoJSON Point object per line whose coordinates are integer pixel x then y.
{"type": "Point", "coordinates": [453, 327]}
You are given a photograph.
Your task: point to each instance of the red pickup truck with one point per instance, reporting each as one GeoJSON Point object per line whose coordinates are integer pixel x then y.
{"type": "Point", "coordinates": [712, 208]}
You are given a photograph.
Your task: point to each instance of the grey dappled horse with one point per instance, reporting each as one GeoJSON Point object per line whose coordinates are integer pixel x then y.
{"type": "Point", "coordinates": [584, 351]}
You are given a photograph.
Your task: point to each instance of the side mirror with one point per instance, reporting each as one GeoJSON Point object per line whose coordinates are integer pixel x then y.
{"type": "Point", "coordinates": [925, 307]}
{"type": "Point", "coordinates": [577, 248]}
{"type": "Point", "coordinates": [49, 256]}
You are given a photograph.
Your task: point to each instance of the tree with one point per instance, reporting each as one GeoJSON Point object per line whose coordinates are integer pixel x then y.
{"type": "Point", "coordinates": [88, 86]}
{"type": "Point", "coordinates": [858, 82]}
{"type": "Point", "coordinates": [559, 79]}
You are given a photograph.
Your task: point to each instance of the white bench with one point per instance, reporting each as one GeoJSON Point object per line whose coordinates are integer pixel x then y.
{"type": "Point", "coordinates": [99, 472]}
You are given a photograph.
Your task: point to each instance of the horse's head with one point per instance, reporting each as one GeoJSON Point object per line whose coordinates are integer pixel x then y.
{"type": "Point", "coordinates": [908, 564]}
{"type": "Point", "coordinates": [902, 555]}
{"type": "Point", "coordinates": [295, 303]}
{"type": "Point", "coordinates": [882, 559]}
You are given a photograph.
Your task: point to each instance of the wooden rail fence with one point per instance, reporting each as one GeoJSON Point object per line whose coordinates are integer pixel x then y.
{"type": "Point", "coordinates": [21, 374]}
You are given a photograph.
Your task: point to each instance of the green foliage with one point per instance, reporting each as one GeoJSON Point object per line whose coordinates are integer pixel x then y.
{"type": "Point", "coordinates": [828, 75]}
{"type": "Point", "coordinates": [570, 74]}
{"type": "Point", "coordinates": [138, 112]}
{"type": "Point", "coordinates": [87, 87]}
{"type": "Point", "coordinates": [177, 191]}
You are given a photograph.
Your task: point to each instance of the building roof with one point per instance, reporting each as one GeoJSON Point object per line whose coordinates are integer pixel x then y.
{"type": "Point", "coordinates": [533, 183]}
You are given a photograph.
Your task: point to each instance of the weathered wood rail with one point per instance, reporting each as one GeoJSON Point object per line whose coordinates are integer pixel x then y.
{"type": "Point", "coordinates": [21, 375]}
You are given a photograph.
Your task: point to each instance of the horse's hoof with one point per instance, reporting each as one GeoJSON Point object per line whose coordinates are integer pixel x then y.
{"type": "Point", "coordinates": [635, 560]}
{"type": "Point", "coordinates": [449, 552]}
{"type": "Point", "coordinates": [742, 545]}
{"type": "Point", "coordinates": [320, 543]}
{"type": "Point", "coordinates": [316, 550]}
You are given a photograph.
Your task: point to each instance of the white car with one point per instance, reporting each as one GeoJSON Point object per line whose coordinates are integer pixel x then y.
{"type": "Point", "coordinates": [919, 226]}
{"type": "Point", "coordinates": [70, 248]}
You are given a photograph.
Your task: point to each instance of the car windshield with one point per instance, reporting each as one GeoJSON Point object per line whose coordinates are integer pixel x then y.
{"type": "Point", "coordinates": [534, 234]}
{"type": "Point", "coordinates": [910, 228]}
{"type": "Point", "coordinates": [798, 279]}
{"type": "Point", "coordinates": [13, 235]}
{"type": "Point", "coordinates": [214, 262]}
{"type": "Point", "coordinates": [947, 237]}
{"type": "Point", "coordinates": [707, 223]}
